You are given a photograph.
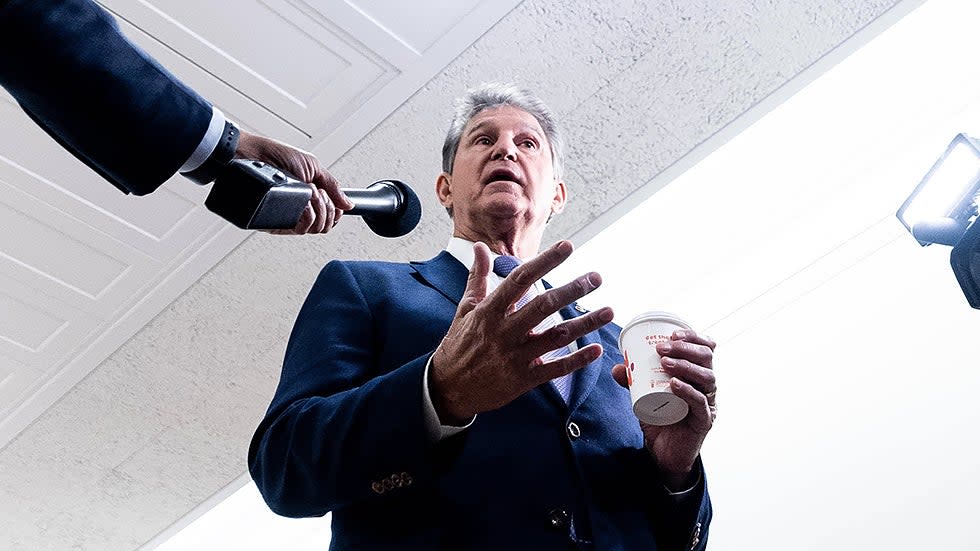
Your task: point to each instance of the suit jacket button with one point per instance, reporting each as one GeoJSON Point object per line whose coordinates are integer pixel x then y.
{"type": "Point", "coordinates": [397, 481]}
{"type": "Point", "coordinates": [558, 518]}
{"type": "Point", "coordinates": [377, 487]}
{"type": "Point", "coordinates": [573, 430]}
{"type": "Point", "coordinates": [696, 539]}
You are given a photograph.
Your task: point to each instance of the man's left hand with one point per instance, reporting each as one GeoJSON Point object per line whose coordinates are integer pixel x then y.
{"type": "Point", "coordinates": [687, 357]}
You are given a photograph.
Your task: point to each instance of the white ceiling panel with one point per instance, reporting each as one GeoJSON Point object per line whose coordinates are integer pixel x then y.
{"type": "Point", "coordinates": [302, 68]}
{"type": "Point", "coordinates": [418, 25]}
{"type": "Point", "coordinates": [64, 259]}
{"type": "Point", "coordinates": [25, 325]}
{"type": "Point", "coordinates": [314, 64]}
{"type": "Point", "coordinates": [83, 266]}
{"type": "Point", "coordinates": [32, 164]}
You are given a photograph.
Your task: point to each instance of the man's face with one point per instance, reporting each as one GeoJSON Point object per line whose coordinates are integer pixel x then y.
{"type": "Point", "coordinates": [503, 171]}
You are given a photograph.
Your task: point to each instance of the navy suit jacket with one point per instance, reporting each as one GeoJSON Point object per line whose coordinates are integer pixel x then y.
{"type": "Point", "coordinates": [345, 433]}
{"type": "Point", "coordinates": [96, 93]}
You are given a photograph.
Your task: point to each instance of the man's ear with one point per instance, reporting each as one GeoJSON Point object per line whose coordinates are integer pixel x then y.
{"type": "Point", "coordinates": [560, 198]}
{"type": "Point", "coordinates": [444, 190]}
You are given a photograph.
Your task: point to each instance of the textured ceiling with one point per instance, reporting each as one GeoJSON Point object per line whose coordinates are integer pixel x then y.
{"type": "Point", "coordinates": [642, 88]}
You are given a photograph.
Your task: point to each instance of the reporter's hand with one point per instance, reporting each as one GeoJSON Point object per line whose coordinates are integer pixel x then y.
{"type": "Point", "coordinates": [490, 356]}
{"type": "Point", "coordinates": [327, 203]}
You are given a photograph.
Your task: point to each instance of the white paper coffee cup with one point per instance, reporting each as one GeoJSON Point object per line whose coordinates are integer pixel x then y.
{"type": "Point", "coordinates": [653, 401]}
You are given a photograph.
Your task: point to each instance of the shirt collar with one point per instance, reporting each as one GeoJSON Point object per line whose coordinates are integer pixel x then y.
{"type": "Point", "coordinates": [462, 250]}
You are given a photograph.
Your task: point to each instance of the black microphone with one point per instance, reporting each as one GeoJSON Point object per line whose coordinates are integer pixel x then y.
{"type": "Point", "coordinates": [254, 195]}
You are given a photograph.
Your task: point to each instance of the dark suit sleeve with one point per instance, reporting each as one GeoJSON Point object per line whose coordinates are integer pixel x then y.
{"type": "Point", "coordinates": [96, 93]}
{"type": "Point", "coordinates": [342, 429]}
{"type": "Point", "coordinates": [681, 522]}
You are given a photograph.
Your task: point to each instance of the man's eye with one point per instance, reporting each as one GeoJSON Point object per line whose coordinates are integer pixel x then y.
{"type": "Point", "coordinates": [482, 140]}
{"type": "Point", "coordinates": [530, 144]}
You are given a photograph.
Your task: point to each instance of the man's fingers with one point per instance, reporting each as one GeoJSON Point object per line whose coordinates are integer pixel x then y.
{"type": "Point", "coordinates": [330, 212]}
{"type": "Point", "coordinates": [693, 337]}
{"type": "Point", "coordinates": [690, 357]}
{"type": "Point", "coordinates": [619, 375]}
{"type": "Point", "coordinates": [305, 220]}
{"type": "Point", "coordinates": [476, 282]}
{"type": "Point", "coordinates": [544, 372]}
{"type": "Point", "coordinates": [523, 277]}
{"type": "Point", "coordinates": [696, 375]}
{"type": "Point", "coordinates": [319, 209]}
{"type": "Point", "coordinates": [568, 331]}
{"type": "Point", "coordinates": [701, 415]}
{"type": "Point", "coordinates": [552, 300]}
{"type": "Point", "coordinates": [481, 261]}
{"type": "Point", "coordinates": [323, 180]}
{"type": "Point", "coordinates": [700, 354]}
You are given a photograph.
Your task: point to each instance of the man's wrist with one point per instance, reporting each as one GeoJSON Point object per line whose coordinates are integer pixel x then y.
{"type": "Point", "coordinates": [440, 397]}
{"type": "Point", "coordinates": [446, 417]}
{"type": "Point", "coordinates": [224, 151]}
{"type": "Point", "coordinates": [679, 483]}
{"type": "Point", "coordinates": [435, 427]}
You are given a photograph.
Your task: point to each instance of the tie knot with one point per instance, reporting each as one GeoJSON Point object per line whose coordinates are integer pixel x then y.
{"type": "Point", "coordinates": [505, 264]}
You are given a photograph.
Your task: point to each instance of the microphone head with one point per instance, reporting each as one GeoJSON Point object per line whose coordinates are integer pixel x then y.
{"type": "Point", "coordinates": [403, 221]}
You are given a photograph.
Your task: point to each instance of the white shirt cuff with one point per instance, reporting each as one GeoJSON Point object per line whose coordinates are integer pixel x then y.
{"type": "Point", "coordinates": [684, 493]}
{"type": "Point", "coordinates": [210, 140]}
{"type": "Point", "coordinates": [433, 427]}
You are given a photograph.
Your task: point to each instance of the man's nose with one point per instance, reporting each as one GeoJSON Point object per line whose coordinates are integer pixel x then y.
{"type": "Point", "coordinates": [504, 149]}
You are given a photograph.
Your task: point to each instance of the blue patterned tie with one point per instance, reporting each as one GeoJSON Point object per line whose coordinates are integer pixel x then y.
{"type": "Point", "coordinates": [502, 266]}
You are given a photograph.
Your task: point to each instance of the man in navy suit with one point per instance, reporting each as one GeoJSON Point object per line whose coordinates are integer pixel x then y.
{"type": "Point", "coordinates": [124, 115]}
{"type": "Point", "coordinates": [433, 405]}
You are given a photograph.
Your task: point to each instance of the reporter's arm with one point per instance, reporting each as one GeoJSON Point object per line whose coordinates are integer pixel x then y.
{"type": "Point", "coordinates": [97, 94]}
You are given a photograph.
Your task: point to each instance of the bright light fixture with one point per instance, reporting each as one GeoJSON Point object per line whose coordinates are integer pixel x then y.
{"type": "Point", "coordinates": [941, 207]}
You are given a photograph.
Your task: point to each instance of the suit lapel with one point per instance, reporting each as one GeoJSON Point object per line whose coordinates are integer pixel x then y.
{"type": "Point", "coordinates": [584, 379]}
{"type": "Point", "coordinates": [445, 274]}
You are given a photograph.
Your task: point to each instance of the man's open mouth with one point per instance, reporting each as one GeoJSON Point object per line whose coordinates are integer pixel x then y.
{"type": "Point", "coordinates": [503, 175]}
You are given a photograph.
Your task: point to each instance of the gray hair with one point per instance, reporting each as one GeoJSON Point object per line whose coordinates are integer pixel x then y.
{"type": "Point", "coordinates": [495, 94]}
